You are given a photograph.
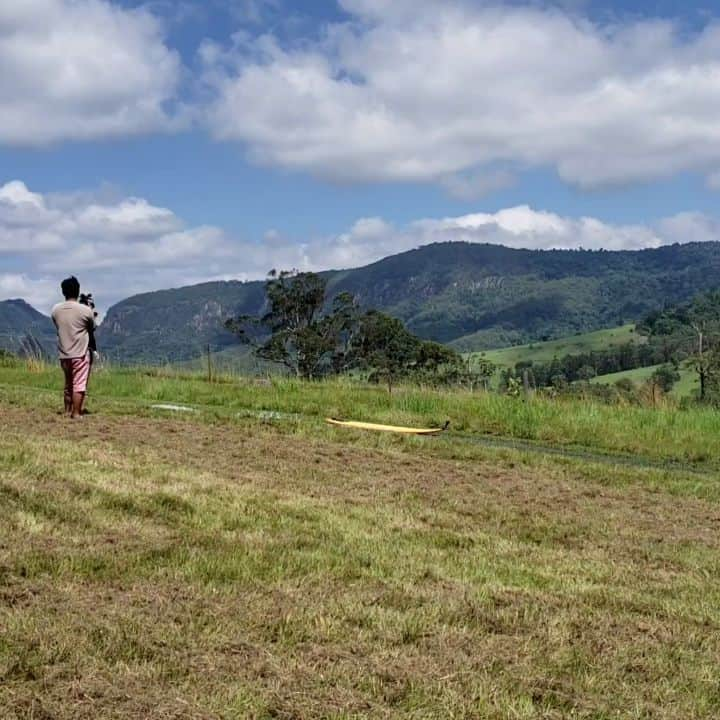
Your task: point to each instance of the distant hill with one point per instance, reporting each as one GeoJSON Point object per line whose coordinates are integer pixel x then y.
{"type": "Point", "coordinates": [176, 325]}
{"type": "Point", "coordinates": [20, 321]}
{"type": "Point", "coordinates": [471, 296]}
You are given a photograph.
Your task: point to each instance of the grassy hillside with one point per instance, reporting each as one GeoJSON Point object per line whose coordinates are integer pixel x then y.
{"type": "Point", "coordinates": [637, 375]}
{"type": "Point", "coordinates": [543, 352]}
{"type": "Point", "coordinates": [586, 342]}
{"type": "Point", "coordinates": [686, 387]}
{"type": "Point", "coordinates": [229, 564]}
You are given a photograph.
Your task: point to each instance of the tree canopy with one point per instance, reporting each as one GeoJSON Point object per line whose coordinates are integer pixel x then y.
{"type": "Point", "coordinates": [312, 336]}
{"type": "Point", "coordinates": [295, 331]}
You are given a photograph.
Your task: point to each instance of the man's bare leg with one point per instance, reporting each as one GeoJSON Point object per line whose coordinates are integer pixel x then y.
{"type": "Point", "coordinates": [68, 390]}
{"type": "Point", "coordinates": [77, 404]}
{"type": "Point", "coordinates": [87, 379]}
{"type": "Point", "coordinates": [84, 400]}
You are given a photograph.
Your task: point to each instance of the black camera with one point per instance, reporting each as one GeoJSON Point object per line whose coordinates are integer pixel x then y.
{"type": "Point", "coordinates": [87, 299]}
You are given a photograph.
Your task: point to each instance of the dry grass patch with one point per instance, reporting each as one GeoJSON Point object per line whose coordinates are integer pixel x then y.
{"type": "Point", "coordinates": [167, 569]}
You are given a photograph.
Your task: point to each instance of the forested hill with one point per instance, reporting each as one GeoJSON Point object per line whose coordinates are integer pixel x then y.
{"type": "Point", "coordinates": [23, 327]}
{"type": "Point", "coordinates": [472, 296]}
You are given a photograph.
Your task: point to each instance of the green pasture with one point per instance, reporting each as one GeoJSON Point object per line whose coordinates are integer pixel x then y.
{"type": "Point", "coordinates": [544, 352]}
{"type": "Point", "coordinates": [686, 387]}
{"type": "Point", "coordinates": [665, 432]}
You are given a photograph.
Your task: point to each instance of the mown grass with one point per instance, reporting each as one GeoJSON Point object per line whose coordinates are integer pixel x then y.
{"type": "Point", "coordinates": [665, 433]}
{"type": "Point", "coordinates": [207, 568]}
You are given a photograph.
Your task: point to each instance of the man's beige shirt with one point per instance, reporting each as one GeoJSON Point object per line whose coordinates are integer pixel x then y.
{"type": "Point", "coordinates": [73, 322]}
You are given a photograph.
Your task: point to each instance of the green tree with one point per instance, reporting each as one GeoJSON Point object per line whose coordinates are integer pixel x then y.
{"type": "Point", "coordinates": [689, 333]}
{"type": "Point", "coordinates": [300, 332]}
{"type": "Point", "coordinates": [296, 332]}
{"type": "Point", "coordinates": [712, 376]}
{"type": "Point", "coordinates": [437, 364]}
{"type": "Point", "coordinates": [704, 319]}
{"type": "Point", "coordinates": [586, 373]}
{"type": "Point", "coordinates": [481, 371]}
{"type": "Point", "coordinates": [665, 377]}
{"type": "Point", "coordinates": [662, 381]}
{"type": "Point", "coordinates": [385, 347]}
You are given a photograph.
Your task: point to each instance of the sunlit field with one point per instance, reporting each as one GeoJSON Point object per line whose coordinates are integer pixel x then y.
{"type": "Point", "coordinates": [238, 558]}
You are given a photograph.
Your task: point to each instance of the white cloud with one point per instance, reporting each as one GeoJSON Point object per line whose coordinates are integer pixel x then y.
{"type": "Point", "coordinates": [690, 227]}
{"type": "Point", "coordinates": [39, 292]}
{"type": "Point", "coordinates": [130, 218]}
{"type": "Point", "coordinates": [523, 227]}
{"type": "Point", "coordinates": [421, 91]}
{"type": "Point", "coordinates": [16, 194]}
{"type": "Point", "coordinates": [122, 246]}
{"type": "Point", "coordinates": [81, 69]}
{"type": "Point", "coordinates": [116, 247]}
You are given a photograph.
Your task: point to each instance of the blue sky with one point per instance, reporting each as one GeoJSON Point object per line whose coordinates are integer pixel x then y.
{"type": "Point", "coordinates": [148, 144]}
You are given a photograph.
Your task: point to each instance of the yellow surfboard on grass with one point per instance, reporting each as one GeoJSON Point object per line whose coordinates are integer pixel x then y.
{"type": "Point", "coordinates": [386, 428]}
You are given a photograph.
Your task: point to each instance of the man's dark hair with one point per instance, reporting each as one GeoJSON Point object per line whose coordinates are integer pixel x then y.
{"type": "Point", "coordinates": [70, 288]}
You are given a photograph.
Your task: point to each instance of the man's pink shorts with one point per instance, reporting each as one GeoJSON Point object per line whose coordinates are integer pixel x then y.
{"type": "Point", "coordinates": [77, 373]}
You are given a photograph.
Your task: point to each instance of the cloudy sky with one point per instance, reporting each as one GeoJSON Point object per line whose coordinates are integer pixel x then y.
{"type": "Point", "coordinates": [153, 144]}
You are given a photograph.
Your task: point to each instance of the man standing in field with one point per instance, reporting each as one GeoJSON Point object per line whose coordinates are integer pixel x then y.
{"type": "Point", "coordinates": [74, 323]}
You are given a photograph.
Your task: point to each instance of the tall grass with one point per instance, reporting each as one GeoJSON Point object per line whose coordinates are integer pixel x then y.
{"type": "Point", "coordinates": [665, 432]}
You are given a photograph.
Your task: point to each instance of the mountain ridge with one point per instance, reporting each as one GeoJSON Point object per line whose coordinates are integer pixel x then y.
{"type": "Point", "coordinates": [20, 322]}
{"type": "Point", "coordinates": [472, 296]}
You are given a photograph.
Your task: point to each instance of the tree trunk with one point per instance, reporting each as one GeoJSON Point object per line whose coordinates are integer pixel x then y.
{"type": "Point", "coordinates": [701, 361]}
